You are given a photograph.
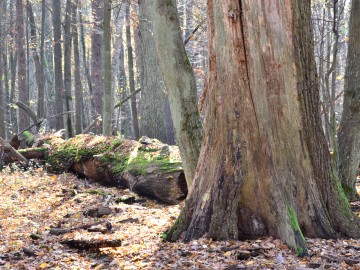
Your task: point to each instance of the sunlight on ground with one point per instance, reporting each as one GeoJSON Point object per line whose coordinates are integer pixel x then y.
{"type": "Point", "coordinates": [33, 202]}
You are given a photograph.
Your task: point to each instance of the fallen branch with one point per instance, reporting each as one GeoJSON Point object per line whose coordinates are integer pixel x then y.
{"type": "Point", "coordinates": [91, 243]}
{"type": "Point", "coordinates": [12, 151]}
{"type": "Point", "coordinates": [127, 98]}
{"type": "Point", "coordinates": [60, 231]}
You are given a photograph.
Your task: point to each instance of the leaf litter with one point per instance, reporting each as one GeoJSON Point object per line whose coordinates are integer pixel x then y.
{"type": "Point", "coordinates": [35, 203]}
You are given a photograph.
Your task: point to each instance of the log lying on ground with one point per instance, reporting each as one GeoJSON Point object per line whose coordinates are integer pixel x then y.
{"type": "Point", "coordinates": [152, 169]}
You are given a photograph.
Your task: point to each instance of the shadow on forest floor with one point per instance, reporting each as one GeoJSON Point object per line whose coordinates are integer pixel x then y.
{"type": "Point", "coordinates": [33, 202]}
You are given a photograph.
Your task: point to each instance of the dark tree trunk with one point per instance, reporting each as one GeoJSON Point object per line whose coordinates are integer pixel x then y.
{"type": "Point", "coordinates": [349, 131]}
{"type": "Point", "coordinates": [264, 167]}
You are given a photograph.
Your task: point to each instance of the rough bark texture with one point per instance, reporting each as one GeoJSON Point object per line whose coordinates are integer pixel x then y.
{"type": "Point", "coordinates": [153, 95]}
{"type": "Point", "coordinates": [2, 94]}
{"type": "Point", "coordinates": [96, 57]}
{"type": "Point", "coordinates": [58, 74]}
{"type": "Point", "coordinates": [264, 167]}
{"type": "Point", "coordinates": [24, 120]}
{"type": "Point", "coordinates": [349, 131]}
{"type": "Point", "coordinates": [179, 81]}
{"type": "Point", "coordinates": [153, 170]}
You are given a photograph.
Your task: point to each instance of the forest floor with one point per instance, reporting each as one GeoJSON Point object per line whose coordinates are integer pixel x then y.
{"type": "Point", "coordinates": [33, 202]}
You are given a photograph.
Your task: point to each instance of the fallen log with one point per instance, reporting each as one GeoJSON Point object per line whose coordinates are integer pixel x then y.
{"type": "Point", "coordinates": [152, 169]}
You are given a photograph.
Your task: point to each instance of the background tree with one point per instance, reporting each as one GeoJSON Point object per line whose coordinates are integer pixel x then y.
{"type": "Point", "coordinates": [153, 121]}
{"type": "Point", "coordinates": [67, 68]}
{"type": "Point", "coordinates": [134, 113]}
{"type": "Point", "coordinates": [96, 56]}
{"type": "Point", "coordinates": [78, 89]}
{"type": "Point", "coordinates": [107, 108]}
{"type": "Point", "coordinates": [24, 120]}
{"type": "Point", "coordinates": [349, 130]}
{"type": "Point", "coordinates": [58, 73]}
{"type": "Point", "coordinates": [264, 167]}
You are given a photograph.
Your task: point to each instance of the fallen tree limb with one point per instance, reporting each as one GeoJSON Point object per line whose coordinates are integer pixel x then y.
{"type": "Point", "coordinates": [91, 243]}
{"type": "Point", "coordinates": [60, 231]}
{"type": "Point", "coordinates": [12, 151]}
{"type": "Point", "coordinates": [127, 98]}
{"type": "Point", "coordinates": [152, 170]}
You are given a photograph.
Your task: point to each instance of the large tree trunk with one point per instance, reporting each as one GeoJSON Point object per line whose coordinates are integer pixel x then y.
{"type": "Point", "coordinates": [153, 121]}
{"type": "Point", "coordinates": [2, 94]}
{"type": "Point", "coordinates": [264, 167]}
{"type": "Point", "coordinates": [153, 170]}
{"type": "Point", "coordinates": [179, 80]}
{"type": "Point", "coordinates": [349, 131]}
{"type": "Point", "coordinates": [24, 120]}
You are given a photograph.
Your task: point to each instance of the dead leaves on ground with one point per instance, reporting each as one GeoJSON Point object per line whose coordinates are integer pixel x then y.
{"type": "Point", "coordinates": [33, 203]}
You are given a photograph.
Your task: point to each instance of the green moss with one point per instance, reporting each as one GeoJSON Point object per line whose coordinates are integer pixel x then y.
{"type": "Point", "coordinates": [29, 138]}
{"type": "Point", "coordinates": [294, 223]}
{"type": "Point", "coordinates": [299, 251]}
{"type": "Point", "coordinates": [141, 163]}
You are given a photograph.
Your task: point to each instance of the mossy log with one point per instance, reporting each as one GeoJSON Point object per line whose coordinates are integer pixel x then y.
{"type": "Point", "coordinates": [152, 170]}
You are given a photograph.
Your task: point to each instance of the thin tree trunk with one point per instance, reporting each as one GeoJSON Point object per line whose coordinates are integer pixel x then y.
{"type": "Point", "coordinates": [24, 120]}
{"type": "Point", "coordinates": [39, 72]}
{"type": "Point", "coordinates": [86, 66]}
{"type": "Point", "coordinates": [107, 108]}
{"type": "Point", "coordinates": [179, 81]}
{"type": "Point", "coordinates": [134, 114]}
{"type": "Point", "coordinates": [67, 69]}
{"type": "Point", "coordinates": [41, 94]}
{"type": "Point", "coordinates": [96, 58]}
{"type": "Point", "coordinates": [79, 102]}
{"type": "Point", "coordinates": [4, 55]}
{"type": "Point", "coordinates": [349, 130]}
{"type": "Point", "coordinates": [58, 73]}
{"type": "Point", "coordinates": [125, 110]}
